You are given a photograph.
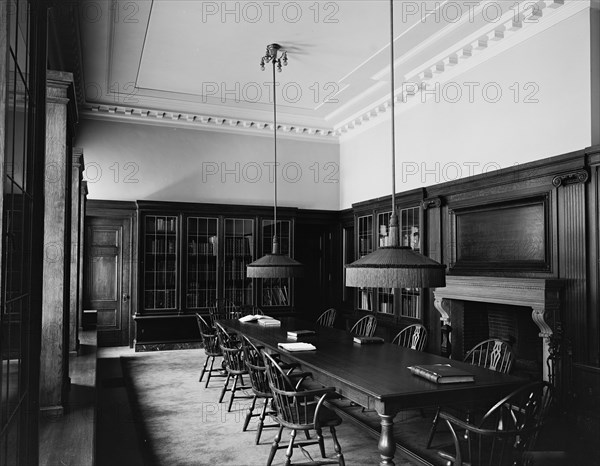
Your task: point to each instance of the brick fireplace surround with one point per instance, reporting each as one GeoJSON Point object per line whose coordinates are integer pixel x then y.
{"type": "Point", "coordinates": [541, 296]}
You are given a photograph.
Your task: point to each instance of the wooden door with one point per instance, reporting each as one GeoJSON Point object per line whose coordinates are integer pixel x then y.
{"type": "Point", "coordinates": [108, 277]}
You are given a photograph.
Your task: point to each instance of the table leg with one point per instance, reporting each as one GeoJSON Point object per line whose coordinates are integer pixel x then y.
{"type": "Point", "coordinates": [387, 444]}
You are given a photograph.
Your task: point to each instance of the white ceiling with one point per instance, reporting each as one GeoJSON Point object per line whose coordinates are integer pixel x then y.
{"type": "Point", "coordinates": [197, 62]}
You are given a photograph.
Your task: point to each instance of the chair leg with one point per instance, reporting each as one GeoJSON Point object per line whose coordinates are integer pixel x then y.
{"type": "Point", "coordinates": [204, 368]}
{"type": "Point", "coordinates": [233, 389]}
{"type": "Point", "coordinates": [337, 447]}
{"type": "Point", "coordinates": [210, 370]}
{"type": "Point", "coordinates": [224, 388]}
{"type": "Point", "coordinates": [275, 446]}
{"type": "Point", "coordinates": [307, 434]}
{"type": "Point", "coordinates": [261, 421]}
{"type": "Point", "coordinates": [436, 420]}
{"type": "Point", "coordinates": [321, 441]}
{"type": "Point", "coordinates": [290, 449]}
{"type": "Point", "coordinates": [249, 414]}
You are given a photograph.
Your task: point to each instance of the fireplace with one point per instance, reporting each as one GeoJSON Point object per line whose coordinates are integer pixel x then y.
{"type": "Point", "coordinates": [523, 311]}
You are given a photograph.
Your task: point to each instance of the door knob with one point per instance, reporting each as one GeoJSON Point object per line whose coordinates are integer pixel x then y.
{"type": "Point", "coordinates": [125, 297]}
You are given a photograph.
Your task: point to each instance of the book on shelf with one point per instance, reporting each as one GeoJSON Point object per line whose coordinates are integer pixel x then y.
{"type": "Point", "coordinates": [295, 334]}
{"type": "Point", "coordinates": [368, 340]}
{"type": "Point", "coordinates": [299, 346]}
{"type": "Point", "coordinates": [442, 373]}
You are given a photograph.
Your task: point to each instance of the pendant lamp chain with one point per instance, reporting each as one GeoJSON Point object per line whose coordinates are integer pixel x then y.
{"type": "Point", "coordinates": [275, 264]}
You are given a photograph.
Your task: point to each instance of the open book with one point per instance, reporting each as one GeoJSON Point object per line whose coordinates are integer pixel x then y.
{"type": "Point", "coordinates": [300, 346]}
{"type": "Point", "coordinates": [253, 317]}
{"type": "Point", "coordinates": [442, 373]}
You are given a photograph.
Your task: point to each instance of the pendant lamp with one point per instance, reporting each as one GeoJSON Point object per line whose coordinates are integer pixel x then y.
{"type": "Point", "coordinates": [395, 266]}
{"type": "Point", "coordinates": [275, 264]}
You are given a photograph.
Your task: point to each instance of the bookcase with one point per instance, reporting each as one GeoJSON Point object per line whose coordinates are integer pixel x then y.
{"type": "Point", "coordinates": [193, 254]}
{"type": "Point", "coordinates": [275, 291]}
{"type": "Point", "coordinates": [201, 253]}
{"type": "Point", "coordinates": [160, 262]}
{"type": "Point", "coordinates": [391, 306]}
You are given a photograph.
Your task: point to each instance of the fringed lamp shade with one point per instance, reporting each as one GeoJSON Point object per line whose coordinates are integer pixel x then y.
{"type": "Point", "coordinates": [396, 267]}
{"type": "Point", "coordinates": [275, 266]}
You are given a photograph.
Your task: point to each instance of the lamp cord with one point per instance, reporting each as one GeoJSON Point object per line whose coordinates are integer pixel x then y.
{"type": "Point", "coordinates": [275, 152]}
{"type": "Point", "coordinates": [393, 108]}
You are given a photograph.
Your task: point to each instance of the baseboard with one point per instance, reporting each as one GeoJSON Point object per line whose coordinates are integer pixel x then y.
{"type": "Point", "coordinates": [142, 347]}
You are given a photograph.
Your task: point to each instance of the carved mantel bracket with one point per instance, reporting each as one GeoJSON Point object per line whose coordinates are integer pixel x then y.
{"type": "Point", "coordinates": [444, 314]}
{"type": "Point", "coordinates": [542, 296]}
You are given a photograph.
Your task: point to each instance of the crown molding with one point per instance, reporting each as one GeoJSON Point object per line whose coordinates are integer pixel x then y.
{"type": "Point", "coordinates": [476, 49]}
{"type": "Point", "coordinates": [204, 122]}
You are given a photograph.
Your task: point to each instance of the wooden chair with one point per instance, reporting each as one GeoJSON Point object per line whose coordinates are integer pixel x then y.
{"type": "Point", "coordinates": [493, 354]}
{"type": "Point", "coordinates": [210, 341]}
{"type": "Point", "coordinates": [365, 327]}
{"type": "Point", "coordinates": [505, 432]}
{"type": "Point", "coordinates": [260, 385]}
{"type": "Point", "coordinates": [327, 318]}
{"type": "Point", "coordinates": [414, 337]}
{"type": "Point", "coordinates": [296, 409]}
{"type": "Point", "coordinates": [234, 364]}
{"type": "Point", "coordinates": [223, 309]}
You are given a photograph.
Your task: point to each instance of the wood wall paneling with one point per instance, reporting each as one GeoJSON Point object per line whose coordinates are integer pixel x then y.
{"type": "Point", "coordinates": [55, 325]}
{"type": "Point", "coordinates": [76, 238]}
{"type": "Point", "coordinates": [432, 230]}
{"type": "Point", "coordinates": [572, 259]}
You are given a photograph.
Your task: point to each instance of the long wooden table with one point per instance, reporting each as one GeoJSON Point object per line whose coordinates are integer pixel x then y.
{"type": "Point", "coordinates": [376, 376]}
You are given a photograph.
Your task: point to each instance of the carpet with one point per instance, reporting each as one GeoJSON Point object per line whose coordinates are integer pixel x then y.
{"type": "Point", "coordinates": [181, 423]}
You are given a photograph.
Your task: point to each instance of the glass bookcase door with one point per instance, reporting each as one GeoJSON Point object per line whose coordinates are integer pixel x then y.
{"type": "Point", "coordinates": [202, 262]}
{"type": "Point", "coordinates": [410, 305]}
{"type": "Point", "coordinates": [365, 246]}
{"type": "Point", "coordinates": [385, 296]}
{"type": "Point", "coordinates": [160, 262]}
{"type": "Point", "coordinates": [275, 291]}
{"type": "Point", "coordinates": [238, 253]}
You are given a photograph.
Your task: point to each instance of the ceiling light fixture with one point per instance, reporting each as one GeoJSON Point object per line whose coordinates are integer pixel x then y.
{"type": "Point", "coordinates": [395, 266]}
{"type": "Point", "coordinates": [276, 264]}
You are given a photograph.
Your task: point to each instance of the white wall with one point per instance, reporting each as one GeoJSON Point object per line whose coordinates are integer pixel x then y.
{"type": "Point", "coordinates": [439, 141]}
{"type": "Point", "coordinates": [142, 162]}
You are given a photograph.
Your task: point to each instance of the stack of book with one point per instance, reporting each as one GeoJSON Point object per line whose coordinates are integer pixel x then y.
{"type": "Point", "coordinates": [269, 322]}
{"type": "Point", "coordinates": [295, 334]}
{"type": "Point", "coordinates": [442, 373]}
{"type": "Point", "coordinates": [367, 340]}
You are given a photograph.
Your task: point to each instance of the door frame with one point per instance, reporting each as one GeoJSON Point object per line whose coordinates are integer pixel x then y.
{"type": "Point", "coordinates": [125, 211]}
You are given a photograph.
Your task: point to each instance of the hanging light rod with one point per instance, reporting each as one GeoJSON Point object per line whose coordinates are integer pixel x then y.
{"type": "Point", "coordinates": [395, 266]}
{"type": "Point", "coordinates": [276, 264]}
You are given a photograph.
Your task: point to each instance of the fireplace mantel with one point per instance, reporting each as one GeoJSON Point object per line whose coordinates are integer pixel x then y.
{"type": "Point", "coordinates": [540, 295]}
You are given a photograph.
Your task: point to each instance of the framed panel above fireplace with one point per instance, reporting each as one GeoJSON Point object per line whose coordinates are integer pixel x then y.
{"type": "Point", "coordinates": [507, 236]}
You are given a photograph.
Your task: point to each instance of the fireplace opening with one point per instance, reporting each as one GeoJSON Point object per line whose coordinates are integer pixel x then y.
{"type": "Point", "coordinates": [473, 322]}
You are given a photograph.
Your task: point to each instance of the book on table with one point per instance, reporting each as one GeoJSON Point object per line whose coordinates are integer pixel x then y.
{"type": "Point", "coordinates": [257, 318]}
{"type": "Point", "coordinates": [442, 373]}
{"type": "Point", "coordinates": [269, 322]}
{"type": "Point", "coordinates": [295, 334]}
{"type": "Point", "coordinates": [368, 340]}
{"type": "Point", "coordinates": [299, 346]}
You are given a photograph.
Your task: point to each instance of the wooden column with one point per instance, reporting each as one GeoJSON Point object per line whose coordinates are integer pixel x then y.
{"type": "Point", "coordinates": [55, 312]}
{"type": "Point", "coordinates": [83, 192]}
{"type": "Point", "coordinates": [74, 290]}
